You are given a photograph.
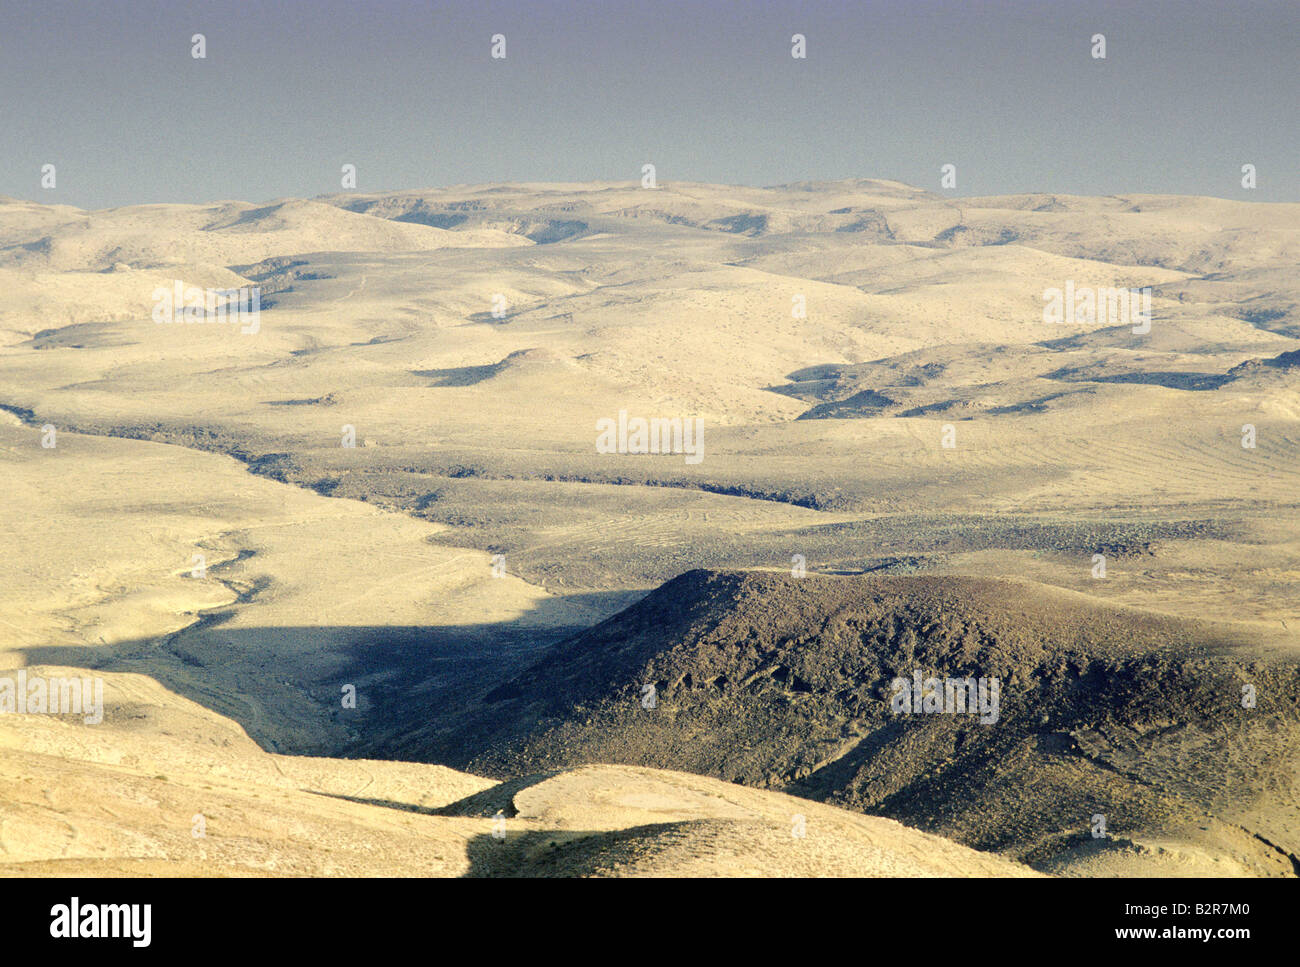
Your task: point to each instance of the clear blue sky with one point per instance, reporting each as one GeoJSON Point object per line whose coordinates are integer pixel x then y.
{"type": "Point", "coordinates": [707, 91]}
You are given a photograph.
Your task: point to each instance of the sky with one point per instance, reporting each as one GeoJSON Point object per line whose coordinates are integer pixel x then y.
{"type": "Point", "coordinates": [408, 92]}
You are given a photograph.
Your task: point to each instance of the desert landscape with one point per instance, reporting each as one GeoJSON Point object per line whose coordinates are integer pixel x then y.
{"type": "Point", "coordinates": [551, 529]}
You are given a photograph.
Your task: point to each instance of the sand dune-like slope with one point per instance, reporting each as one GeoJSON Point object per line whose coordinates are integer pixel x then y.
{"type": "Point", "coordinates": [71, 818]}
{"type": "Point", "coordinates": [648, 822]}
{"type": "Point", "coordinates": [164, 787]}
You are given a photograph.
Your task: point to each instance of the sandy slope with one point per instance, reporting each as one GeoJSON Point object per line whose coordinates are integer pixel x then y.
{"type": "Point", "coordinates": [125, 798]}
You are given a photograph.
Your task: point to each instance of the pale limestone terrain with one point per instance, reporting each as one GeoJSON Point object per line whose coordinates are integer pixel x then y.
{"type": "Point", "coordinates": [372, 565]}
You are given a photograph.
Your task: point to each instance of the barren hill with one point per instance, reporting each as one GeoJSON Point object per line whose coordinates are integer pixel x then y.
{"type": "Point", "coordinates": [785, 683]}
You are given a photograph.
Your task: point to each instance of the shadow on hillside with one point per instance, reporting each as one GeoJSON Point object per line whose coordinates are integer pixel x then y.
{"type": "Point", "coordinates": [562, 853]}
{"type": "Point", "coordinates": [286, 686]}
